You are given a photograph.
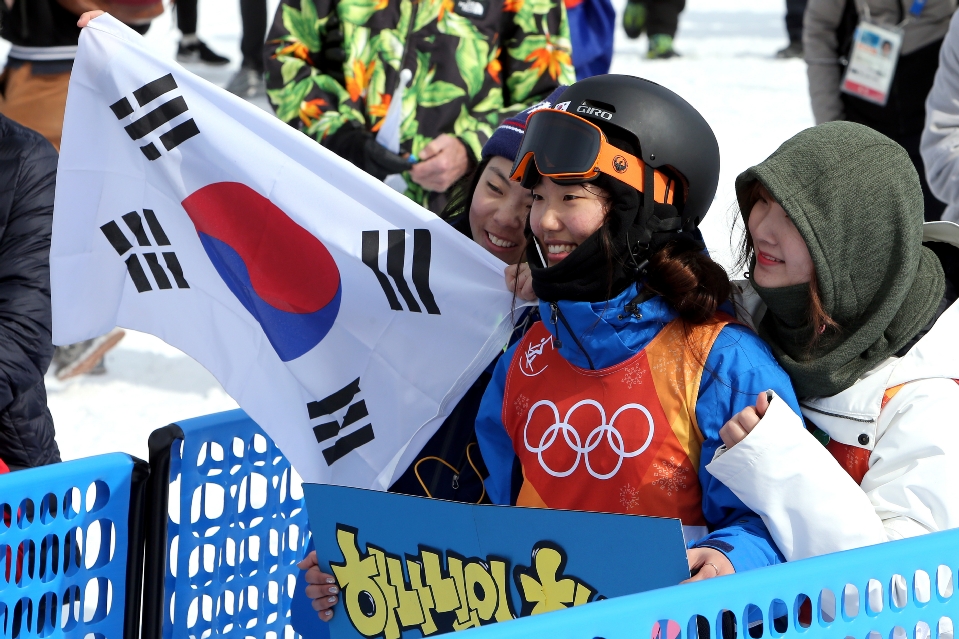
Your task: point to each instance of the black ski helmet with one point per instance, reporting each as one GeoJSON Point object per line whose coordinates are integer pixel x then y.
{"type": "Point", "coordinates": [657, 126]}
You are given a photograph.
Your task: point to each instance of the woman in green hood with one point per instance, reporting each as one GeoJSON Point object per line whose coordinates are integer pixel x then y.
{"type": "Point", "coordinates": [847, 288]}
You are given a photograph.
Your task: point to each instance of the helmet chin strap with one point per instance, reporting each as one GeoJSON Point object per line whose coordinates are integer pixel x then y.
{"type": "Point", "coordinates": [638, 251]}
{"type": "Point", "coordinates": [666, 222]}
{"type": "Point", "coordinates": [642, 294]}
{"type": "Point", "coordinates": [649, 204]}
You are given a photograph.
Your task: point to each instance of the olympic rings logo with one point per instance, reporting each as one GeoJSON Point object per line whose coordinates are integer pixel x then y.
{"type": "Point", "coordinates": [593, 440]}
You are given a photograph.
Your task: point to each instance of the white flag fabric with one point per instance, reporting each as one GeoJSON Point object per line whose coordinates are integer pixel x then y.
{"type": "Point", "coordinates": [345, 319]}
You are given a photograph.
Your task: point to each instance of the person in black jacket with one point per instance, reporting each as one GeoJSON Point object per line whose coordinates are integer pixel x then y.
{"type": "Point", "coordinates": [28, 170]}
{"type": "Point", "coordinates": [44, 36]}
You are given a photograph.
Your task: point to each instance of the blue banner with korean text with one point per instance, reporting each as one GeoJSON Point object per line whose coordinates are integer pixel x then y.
{"type": "Point", "coordinates": [411, 567]}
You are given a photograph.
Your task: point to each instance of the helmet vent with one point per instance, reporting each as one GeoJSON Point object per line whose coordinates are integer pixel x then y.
{"type": "Point", "coordinates": [596, 104]}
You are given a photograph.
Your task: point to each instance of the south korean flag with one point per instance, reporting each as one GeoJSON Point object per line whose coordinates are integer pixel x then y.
{"type": "Point", "coordinates": [345, 319]}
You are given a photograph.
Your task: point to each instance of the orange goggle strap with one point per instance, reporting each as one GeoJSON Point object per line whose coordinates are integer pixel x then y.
{"type": "Point", "coordinates": [615, 163]}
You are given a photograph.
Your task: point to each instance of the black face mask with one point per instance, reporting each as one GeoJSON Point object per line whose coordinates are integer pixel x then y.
{"type": "Point", "coordinates": [591, 273]}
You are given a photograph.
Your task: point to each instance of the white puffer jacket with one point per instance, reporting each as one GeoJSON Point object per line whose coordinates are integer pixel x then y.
{"type": "Point", "coordinates": [809, 503]}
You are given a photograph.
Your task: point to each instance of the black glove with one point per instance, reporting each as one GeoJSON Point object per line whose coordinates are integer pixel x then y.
{"type": "Point", "coordinates": [354, 143]}
{"type": "Point", "coordinates": [331, 56]}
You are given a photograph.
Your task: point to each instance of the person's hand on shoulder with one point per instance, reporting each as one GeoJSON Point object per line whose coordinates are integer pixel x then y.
{"type": "Point", "coordinates": [743, 422]}
{"type": "Point", "coordinates": [321, 588]}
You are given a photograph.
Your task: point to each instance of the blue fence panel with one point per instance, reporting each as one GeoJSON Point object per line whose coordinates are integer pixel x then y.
{"type": "Point", "coordinates": [68, 545]}
{"type": "Point", "coordinates": [896, 590]}
{"type": "Point", "coordinates": [234, 532]}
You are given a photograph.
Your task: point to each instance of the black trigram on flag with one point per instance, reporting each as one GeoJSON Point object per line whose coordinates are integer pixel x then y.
{"type": "Point", "coordinates": [118, 239]}
{"type": "Point", "coordinates": [396, 241]}
{"type": "Point", "coordinates": [156, 118]}
{"type": "Point", "coordinates": [331, 427]}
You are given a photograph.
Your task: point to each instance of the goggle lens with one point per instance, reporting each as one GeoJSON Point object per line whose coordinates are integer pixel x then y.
{"type": "Point", "coordinates": [560, 144]}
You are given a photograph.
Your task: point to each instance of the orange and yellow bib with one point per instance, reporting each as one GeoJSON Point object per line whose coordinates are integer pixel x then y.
{"type": "Point", "coordinates": [623, 439]}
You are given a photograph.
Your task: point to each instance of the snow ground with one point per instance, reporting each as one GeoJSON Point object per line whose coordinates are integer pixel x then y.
{"type": "Point", "coordinates": [753, 102]}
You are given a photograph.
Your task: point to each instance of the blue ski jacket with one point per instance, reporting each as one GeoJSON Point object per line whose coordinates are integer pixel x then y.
{"type": "Point", "coordinates": [738, 367]}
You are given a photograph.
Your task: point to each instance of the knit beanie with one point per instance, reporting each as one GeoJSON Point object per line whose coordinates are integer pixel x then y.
{"type": "Point", "coordinates": [854, 196]}
{"type": "Point", "coordinates": [506, 138]}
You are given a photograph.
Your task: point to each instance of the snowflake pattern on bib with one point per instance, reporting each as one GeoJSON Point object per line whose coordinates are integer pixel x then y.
{"type": "Point", "coordinates": [633, 376]}
{"type": "Point", "coordinates": [521, 404]}
{"type": "Point", "coordinates": [674, 351]}
{"type": "Point", "coordinates": [629, 497]}
{"type": "Point", "coordinates": [670, 476]}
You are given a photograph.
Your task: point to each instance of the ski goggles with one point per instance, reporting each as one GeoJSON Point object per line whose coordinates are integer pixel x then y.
{"type": "Point", "coordinates": [563, 146]}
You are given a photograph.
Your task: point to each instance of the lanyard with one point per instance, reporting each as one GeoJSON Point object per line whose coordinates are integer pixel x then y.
{"type": "Point", "coordinates": [917, 7]}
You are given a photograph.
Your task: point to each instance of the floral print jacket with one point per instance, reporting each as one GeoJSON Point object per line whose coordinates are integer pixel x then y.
{"type": "Point", "coordinates": [474, 63]}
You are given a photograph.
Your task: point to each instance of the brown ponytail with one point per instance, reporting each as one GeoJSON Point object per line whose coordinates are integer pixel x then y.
{"type": "Point", "coordinates": [689, 280]}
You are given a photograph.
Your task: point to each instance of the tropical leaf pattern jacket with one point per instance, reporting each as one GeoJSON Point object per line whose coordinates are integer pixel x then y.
{"type": "Point", "coordinates": [474, 63]}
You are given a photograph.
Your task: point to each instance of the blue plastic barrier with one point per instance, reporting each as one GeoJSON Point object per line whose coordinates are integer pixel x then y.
{"type": "Point", "coordinates": [896, 590]}
{"type": "Point", "coordinates": [71, 549]}
{"type": "Point", "coordinates": [226, 528]}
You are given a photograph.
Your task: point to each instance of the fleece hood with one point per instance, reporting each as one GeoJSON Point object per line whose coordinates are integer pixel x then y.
{"type": "Point", "coordinates": [854, 196]}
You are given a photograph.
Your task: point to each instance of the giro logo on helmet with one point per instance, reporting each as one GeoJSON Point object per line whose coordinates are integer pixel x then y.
{"type": "Point", "coordinates": [572, 439]}
{"type": "Point", "coordinates": [620, 164]}
{"type": "Point", "coordinates": [585, 109]}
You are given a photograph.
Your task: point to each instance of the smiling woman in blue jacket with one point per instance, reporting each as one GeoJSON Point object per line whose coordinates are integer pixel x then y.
{"type": "Point", "coordinates": [615, 400]}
